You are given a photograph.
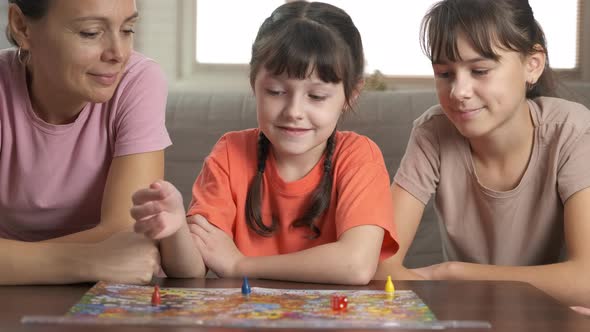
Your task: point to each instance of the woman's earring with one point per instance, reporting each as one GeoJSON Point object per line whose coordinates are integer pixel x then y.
{"type": "Point", "coordinates": [23, 56]}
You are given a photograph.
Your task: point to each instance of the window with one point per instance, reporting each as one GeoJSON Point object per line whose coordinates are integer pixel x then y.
{"type": "Point", "coordinates": [390, 31]}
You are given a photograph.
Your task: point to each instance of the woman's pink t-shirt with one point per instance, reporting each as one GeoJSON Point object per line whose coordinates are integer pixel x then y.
{"type": "Point", "coordinates": [52, 177]}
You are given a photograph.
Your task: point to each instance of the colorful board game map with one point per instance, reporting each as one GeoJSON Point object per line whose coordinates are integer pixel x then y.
{"type": "Point", "coordinates": [114, 304]}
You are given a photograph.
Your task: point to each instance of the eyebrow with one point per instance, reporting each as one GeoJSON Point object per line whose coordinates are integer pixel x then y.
{"type": "Point", "coordinates": [312, 82]}
{"type": "Point", "coordinates": [320, 83]}
{"type": "Point", "coordinates": [102, 18]}
{"type": "Point", "coordinates": [472, 60]}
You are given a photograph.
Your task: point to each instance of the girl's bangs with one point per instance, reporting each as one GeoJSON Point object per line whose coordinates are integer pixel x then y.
{"type": "Point", "coordinates": [445, 26]}
{"type": "Point", "coordinates": [302, 49]}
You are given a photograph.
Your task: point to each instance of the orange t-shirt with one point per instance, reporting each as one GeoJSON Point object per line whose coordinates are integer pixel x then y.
{"type": "Point", "coordinates": [360, 195]}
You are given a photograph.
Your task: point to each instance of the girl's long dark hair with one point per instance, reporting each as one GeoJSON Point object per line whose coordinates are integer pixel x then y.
{"type": "Point", "coordinates": [300, 38]}
{"type": "Point", "coordinates": [509, 24]}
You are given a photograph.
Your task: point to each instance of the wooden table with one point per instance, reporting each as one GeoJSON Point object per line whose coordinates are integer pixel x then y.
{"type": "Point", "coordinates": [508, 306]}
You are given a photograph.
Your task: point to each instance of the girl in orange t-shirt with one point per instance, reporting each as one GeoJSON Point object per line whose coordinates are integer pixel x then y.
{"type": "Point", "coordinates": [293, 199]}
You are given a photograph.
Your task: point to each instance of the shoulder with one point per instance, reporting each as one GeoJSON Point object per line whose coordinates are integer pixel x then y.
{"type": "Point", "coordinates": [434, 127]}
{"type": "Point", "coordinates": [142, 71]}
{"type": "Point", "coordinates": [434, 120]}
{"type": "Point", "coordinates": [236, 139]}
{"type": "Point", "coordinates": [557, 111]}
{"type": "Point", "coordinates": [560, 121]}
{"type": "Point", "coordinates": [142, 90]}
{"type": "Point", "coordinates": [8, 65]}
{"type": "Point", "coordinates": [354, 149]}
{"type": "Point", "coordinates": [235, 145]}
{"type": "Point", "coordinates": [7, 57]}
{"type": "Point", "coordinates": [139, 63]}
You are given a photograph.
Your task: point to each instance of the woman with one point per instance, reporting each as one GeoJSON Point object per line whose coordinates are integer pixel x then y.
{"type": "Point", "coordinates": [81, 128]}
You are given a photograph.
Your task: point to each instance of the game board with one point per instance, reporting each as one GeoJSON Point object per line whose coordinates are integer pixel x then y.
{"type": "Point", "coordinates": [107, 303]}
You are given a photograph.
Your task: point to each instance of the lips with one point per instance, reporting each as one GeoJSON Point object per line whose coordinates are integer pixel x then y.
{"type": "Point", "coordinates": [293, 131]}
{"type": "Point", "coordinates": [466, 114]}
{"type": "Point", "coordinates": [106, 79]}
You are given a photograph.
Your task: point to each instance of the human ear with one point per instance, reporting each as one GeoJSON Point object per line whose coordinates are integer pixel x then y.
{"type": "Point", "coordinates": [356, 92]}
{"type": "Point", "coordinates": [19, 27]}
{"type": "Point", "coordinates": [358, 88]}
{"type": "Point", "coordinates": [535, 64]}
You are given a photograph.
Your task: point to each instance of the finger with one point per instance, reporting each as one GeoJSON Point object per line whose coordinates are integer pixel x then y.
{"type": "Point", "coordinates": [199, 244]}
{"type": "Point", "coordinates": [146, 278]}
{"type": "Point", "coordinates": [198, 231]}
{"type": "Point", "coordinates": [203, 222]}
{"type": "Point", "coordinates": [156, 185]}
{"type": "Point", "coordinates": [166, 188]}
{"type": "Point", "coordinates": [145, 195]}
{"type": "Point", "coordinates": [148, 209]}
{"type": "Point", "coordinates": [149, 227]}
{"type": "Point", "coordinates": [582, 310]}
{"type": "Point", "coordinates": [142, 226]}
{"type": "Point", "coordinates": [153, 259]}
{"type": "Point", "coordinates": [160, 273]}
{"type": "Point", "coordinates": [155, 233]}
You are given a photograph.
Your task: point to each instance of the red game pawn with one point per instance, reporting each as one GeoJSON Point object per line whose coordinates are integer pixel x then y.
{"type": "Point", "coordinates": [156, 296]}
{"type": "Point", "coordinates": [339, 303]}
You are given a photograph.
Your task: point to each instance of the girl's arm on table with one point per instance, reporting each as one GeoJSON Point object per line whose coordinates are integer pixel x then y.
{"type": "Point", "coordinates": [352, 259]}
{"type": "Point", "coordinates": [566, 281]}
{"type": "Point", "coordinates": [160, 215]}
{"type": "Point", "coordinates": [407, 212]}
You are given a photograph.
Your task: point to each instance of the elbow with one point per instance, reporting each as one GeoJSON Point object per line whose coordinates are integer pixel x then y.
{"type": "Point", "coordinates": [583, 292]}
{"type": "Point", "coordinates": [389, 267]}
{"type": "Point", "coordinates": [360, 270]}
{"type": "Point", "coordinates": [188, 276]}
{"type": "Point", "coordinates": [577, 279]}
{"type": "Point", "coordinates": [185, 272]}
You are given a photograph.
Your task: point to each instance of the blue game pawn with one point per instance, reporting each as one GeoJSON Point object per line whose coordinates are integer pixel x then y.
{"type": "Point", "coordinates": [246, 287]}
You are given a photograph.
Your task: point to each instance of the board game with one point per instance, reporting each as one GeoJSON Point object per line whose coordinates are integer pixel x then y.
{"type": "Point", "coordinates": [115, 304]}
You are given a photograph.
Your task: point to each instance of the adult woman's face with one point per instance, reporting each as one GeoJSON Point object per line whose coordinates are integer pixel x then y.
{"type": "Point", "coordinates": [79, 49]}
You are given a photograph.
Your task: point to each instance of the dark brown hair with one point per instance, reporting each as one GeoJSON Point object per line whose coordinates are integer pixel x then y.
{"type": "Point", "coordinates": [300, 38]}
{"type": "Point", "coordinates": [33, 9]}
{"type": "Point", "coordinates": [508, 24]}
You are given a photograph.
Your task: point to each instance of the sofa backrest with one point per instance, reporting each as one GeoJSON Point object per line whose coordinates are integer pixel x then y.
{"type": "Point", "coordinates": [196, 120]}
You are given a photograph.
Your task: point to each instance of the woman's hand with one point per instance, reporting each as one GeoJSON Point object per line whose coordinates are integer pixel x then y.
{"type": "Point", "coordinates": [125, 257]}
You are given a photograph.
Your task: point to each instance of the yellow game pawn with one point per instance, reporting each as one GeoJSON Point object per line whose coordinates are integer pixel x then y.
{"type": "Point", "coordinates": [389, 286]}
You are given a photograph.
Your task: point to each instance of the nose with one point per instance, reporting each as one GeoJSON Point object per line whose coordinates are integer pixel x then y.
{"type": "Point", "coordinates": [293, 109]}
{"type": "Point", "coordinates": [462, 87]}
{"type": "Point", "coordinates": [114, 49]}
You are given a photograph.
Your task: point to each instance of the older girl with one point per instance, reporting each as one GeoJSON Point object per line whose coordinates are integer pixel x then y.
{"type": "Point", "coordinates": [506, 162]}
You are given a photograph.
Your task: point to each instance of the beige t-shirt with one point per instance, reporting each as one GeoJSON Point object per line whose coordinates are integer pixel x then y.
{"type": "Point", "coordinates": [522, 226]}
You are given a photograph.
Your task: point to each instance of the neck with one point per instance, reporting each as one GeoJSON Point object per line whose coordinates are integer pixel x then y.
{"type": "Point", "coordinates": [52, 104]}
{"type": "Point", "coordinates": [512, 138]}
{"type": "Point", "coordinates": [295, 167]}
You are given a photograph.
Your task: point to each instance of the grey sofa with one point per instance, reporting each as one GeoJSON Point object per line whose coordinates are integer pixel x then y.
{"type": "Point", "coordinates": [196, 120]}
